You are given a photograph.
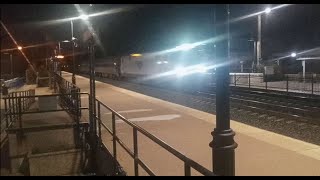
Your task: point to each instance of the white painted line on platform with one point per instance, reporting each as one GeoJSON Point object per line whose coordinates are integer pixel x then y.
{"type": "Point", "coordinates": [130, 111]}
{"type": "Point", "coordinates": [166, 117]}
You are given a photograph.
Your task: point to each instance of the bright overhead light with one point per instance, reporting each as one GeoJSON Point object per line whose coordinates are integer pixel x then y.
{"type": "Point", "coordinates": [84, 17]}
{"type": "Point", "coordinates": [267, 10]}
{"type": "Point", "coordinates": [180, 71]}
{"type": "Point", "coordinates": [19, 47]}
{"type": "Point", "coordinates": [185, 47]}
{"type": "Point", "coordinates": [201, 69]}
{"type": "Point", "coordinates": [293, 54]}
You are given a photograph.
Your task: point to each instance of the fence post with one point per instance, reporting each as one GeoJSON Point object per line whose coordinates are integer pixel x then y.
{"type": "Point", "coordinates": [235, 79]}
{"type": "Point", "coordinates": [287, 80]}
{"type": "Point", "coordinates": [20, 115]}
{"type": "Point", "coordinates": [6, 112]}
{"type": "Point", "coordinates": [135, 151]}
{"type": "Point", "coordinates": [99, 123]}
{"type": "Point", "coordinates": [10, 106]}
{"type": "Point", "coordinates": [312, 84]}
{"type": "Point", "coordinates": [249, 81]}
{"type": "Point", "coordinates": [114, 143]}
{"type": "Point", "coordinates": [187, 169]}
{"type": "Point", "coordinates": [266, 82]}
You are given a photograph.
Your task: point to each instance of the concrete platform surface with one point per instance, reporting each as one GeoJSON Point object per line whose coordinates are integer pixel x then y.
{"type": "Point", "coordinates": [188, 130]}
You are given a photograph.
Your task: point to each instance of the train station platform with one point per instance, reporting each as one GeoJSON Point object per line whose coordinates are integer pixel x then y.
{"type": "Point", "coordinates": [259, 152]}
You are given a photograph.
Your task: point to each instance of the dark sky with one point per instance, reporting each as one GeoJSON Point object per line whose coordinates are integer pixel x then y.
{"type": "Point", "coordinates": [158, 27]}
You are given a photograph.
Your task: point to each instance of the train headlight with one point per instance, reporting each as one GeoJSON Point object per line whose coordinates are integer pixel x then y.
{"type": "Point", "coordinates": [180, 71]}
{"type": "Point", "coordinates": [201, 69]}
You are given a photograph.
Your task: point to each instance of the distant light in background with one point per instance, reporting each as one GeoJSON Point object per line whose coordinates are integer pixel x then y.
{"type": "Point", "coordinates": [15, 42]}
{"type": "Point", "coordinates": [166, 62]}
{"type": "Point", "coordinates": [60, 57]}
{"type": "Point", "coordinates": [267, 10]}
{"type": "Point", "coordinates": [293, 54]}
{"type": "Point", "coordinates": [159, 62]}
{"type": "Point", "coordinates": [106, 12]}
{"type": "Point", "coordinates": [136, 55]}
{"type": "Point", "coordinates": [19, 47]}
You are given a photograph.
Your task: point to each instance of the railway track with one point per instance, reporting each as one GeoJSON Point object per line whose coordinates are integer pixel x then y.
{"type": "Point", "coordinates": [276, 107]}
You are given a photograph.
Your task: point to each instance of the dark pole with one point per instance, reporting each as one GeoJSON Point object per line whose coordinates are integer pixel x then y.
{"type": "Point", "coordinates": [92, 103]}
{"type": "Point", "coordinates": [223, 145]}
{"type": "Point", "coordinates": [73, 58]}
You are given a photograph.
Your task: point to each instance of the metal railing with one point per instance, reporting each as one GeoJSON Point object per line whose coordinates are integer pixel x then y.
{"type": "Point", "coordinates": [16, 103]}
{"type": "Point", "coordinates": [295, 84]}
{"type": "Point", "coordinates": [69, 95]}
{"type": "Point", "coordinates": [188, 163]}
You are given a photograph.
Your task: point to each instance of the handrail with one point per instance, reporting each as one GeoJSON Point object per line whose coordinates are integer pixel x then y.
{"type": "Point", "coordinates": [49, 95]}
{"type": "Point", "coordinates": [188, 162]}
{"type": "Point", "coordinates": [15, 104]}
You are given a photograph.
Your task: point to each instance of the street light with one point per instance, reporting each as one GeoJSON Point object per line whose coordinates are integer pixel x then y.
{"type": "Point", "coordinates": [20, 48]}
{"type": "Point", "coordinates": [11, 65]}
{"type": "Point", "coordinates": [83, 17]}
{"type": "Point", "coordinates": [293, 54]}
{"type": "Point", "coordinates": [267, 11]}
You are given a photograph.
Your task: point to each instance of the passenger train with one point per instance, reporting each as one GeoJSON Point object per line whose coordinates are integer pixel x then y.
{"type": "Point", "coordinates": [185, 66]}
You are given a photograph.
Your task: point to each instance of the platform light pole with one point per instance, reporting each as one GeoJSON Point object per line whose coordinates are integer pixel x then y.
{"type": "Point", "coordinates": [73, 58]}
{"type": "Point", "coordinates": [83, 17]}
{"type": "Point", "coordinates": [223, 145]}
{"type": "Point", "coordinates": [259, 53]}
{"type": "Point", "coordinates": [254, 56]}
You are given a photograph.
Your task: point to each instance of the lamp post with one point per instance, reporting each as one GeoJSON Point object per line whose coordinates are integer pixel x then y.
{"type": "Point", "coordinates": [83, 17]}
{"type": "Point", "coordinates": [267, 11]}
{"type": "Point", "coordinates": [11, 65]}
{"type": "Point", "coordinates": [223, 145]}
{"type": "Point", "coordinates": [254, 56]}
{"type": "Point", "coordinates": [73, 58]}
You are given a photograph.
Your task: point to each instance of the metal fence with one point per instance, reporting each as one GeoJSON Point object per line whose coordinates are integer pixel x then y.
{"type": "Point", "coordinates": [16, 103]}
{"type": "Point", "coordinates": [70, 95]}
{"type": "Point", "coordinates": [188, 163]}
{"type": "Point", "coordinates": [295, 84]}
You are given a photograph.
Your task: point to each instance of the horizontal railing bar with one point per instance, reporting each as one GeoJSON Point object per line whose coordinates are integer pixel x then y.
{"type": "Point", "coordinates": [158, 141]}
{"type": "Point", "coordinates": [106, 128]}
{"type": "Point", "coordinates": [146, 168]}
{"type": "Point", "coordinates": [46, 95]}
{"type": "Point", "coordinates": [125, 147]}
{"type": "Point", "coordinates": [32, 112]}
{"type": "Point", "coordinates": [47, 127]}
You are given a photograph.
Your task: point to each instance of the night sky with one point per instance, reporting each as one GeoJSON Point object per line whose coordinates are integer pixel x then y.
{"type": "Point", "coordinates": [158, 27]}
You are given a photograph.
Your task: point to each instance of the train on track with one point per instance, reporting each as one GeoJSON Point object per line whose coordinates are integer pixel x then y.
{"type": "Point", "coordinates": [185, 65]}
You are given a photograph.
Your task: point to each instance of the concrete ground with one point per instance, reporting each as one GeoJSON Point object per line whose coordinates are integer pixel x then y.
{"type": "Point", "coordinates": [188, 130]}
